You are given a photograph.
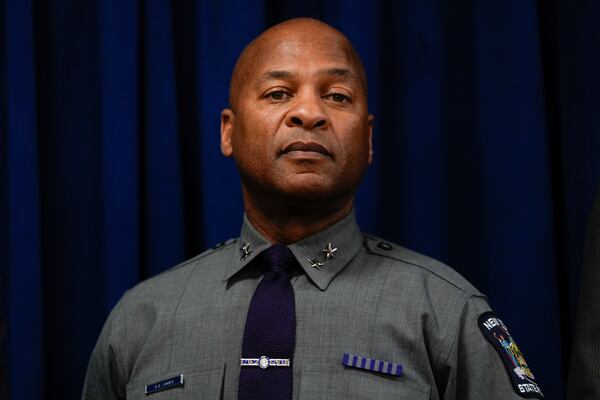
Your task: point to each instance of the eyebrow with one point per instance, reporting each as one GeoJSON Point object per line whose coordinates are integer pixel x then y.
{"type": "Point", "coordinates": [342, 72]}
{"type": "Point", "coordinates": [276, 75]}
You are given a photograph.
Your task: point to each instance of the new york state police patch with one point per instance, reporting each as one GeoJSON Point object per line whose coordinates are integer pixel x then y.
{"type": "Point", "coordinates": [521, 376]}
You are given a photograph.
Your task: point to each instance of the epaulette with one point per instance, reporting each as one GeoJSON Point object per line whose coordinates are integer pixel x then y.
{"type": "Point", "coordinates": [216, 248]}
{"type": "Point", "coordinates": [401, 254]}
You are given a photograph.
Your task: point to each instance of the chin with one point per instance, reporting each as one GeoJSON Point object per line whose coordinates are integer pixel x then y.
{"type": "Point", "coordinates": [306, 183]}
{"type": "Point", "coordinates": [306, 192]}
{"type": "Point", "coordinates": [305, 187]}
{"type": "Point", "coordinates": [318, 192]}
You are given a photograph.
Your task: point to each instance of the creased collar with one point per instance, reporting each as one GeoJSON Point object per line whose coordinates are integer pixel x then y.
{"type": "Point", "coordinates": [341, 241]}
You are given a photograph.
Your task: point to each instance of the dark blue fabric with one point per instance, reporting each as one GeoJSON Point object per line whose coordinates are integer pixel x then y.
{"type": "Point", "coordinates": [21, 273]}
{"type": "Point", "coordinates": [487, 155]}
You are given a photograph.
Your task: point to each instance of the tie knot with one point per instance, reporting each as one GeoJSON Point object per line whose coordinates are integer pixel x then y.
{"type": "Point", "coordinates": [278, 257]}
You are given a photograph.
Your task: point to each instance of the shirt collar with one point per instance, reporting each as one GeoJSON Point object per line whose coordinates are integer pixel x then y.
{"type": "Point", "coordinates": [344, 237]}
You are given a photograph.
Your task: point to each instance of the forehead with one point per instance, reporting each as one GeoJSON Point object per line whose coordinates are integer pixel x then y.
{"type": "Point", "coordinates": [304, 53]}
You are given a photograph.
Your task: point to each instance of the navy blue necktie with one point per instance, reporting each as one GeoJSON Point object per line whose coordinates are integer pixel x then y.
{"type": "Point", "coordinates": [269, 336]}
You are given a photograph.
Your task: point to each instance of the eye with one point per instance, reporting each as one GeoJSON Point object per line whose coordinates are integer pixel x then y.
{"type": "Point", "coordinates": [338, 97]}
{"type": "Point", "coordinates": [277, 95]}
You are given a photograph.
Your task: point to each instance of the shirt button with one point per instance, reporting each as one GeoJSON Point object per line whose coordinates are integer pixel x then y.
{"type": "Point", "coordinates": [384, 246]}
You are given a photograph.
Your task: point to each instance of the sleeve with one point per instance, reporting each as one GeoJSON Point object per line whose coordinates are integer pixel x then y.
{"type": "Point", "coordinates": [105, 377]}
{"type": "Point", "coordinates": [484, 361]}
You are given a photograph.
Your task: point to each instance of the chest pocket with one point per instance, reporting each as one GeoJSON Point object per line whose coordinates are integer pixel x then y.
{"type": "Point", "coordinates": [322, 382]}
{"type": "Point", "coordinates": [205, 384]}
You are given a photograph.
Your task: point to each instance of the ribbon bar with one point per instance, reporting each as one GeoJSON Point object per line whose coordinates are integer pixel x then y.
{"type": "Point", "coordinates": [371, 364]}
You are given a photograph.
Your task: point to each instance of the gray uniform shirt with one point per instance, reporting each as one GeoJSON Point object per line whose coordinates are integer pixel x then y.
{"type": "Point", "coordinates": [372, 299]}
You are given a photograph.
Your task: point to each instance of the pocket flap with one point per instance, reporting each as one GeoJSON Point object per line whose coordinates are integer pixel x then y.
{"type": "Point", "coordinates": [338, 382]}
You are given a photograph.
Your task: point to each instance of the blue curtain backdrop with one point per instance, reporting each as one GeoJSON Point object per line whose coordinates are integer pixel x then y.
{"type": "Point", "coordinates": [487, 156]}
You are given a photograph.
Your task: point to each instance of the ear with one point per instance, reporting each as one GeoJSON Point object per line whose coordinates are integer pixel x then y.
{"type": "Point", "coordinates": [371, 121]}
{"type": "Point", "coordinates": [227, 122]}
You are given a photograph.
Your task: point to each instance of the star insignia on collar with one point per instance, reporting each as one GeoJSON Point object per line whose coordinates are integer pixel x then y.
{"type": "Point", "coordinates": [245, 251]}
{"type": "Point", "coordinates": [315, 263]}
{"type": "Point", "coordinates": [329, 251]}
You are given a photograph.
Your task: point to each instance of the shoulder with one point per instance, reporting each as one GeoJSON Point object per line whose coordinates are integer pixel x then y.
{"type": "Point", "coordinates": [147, 308]}
{"type": "Point", "coordinates": [403, 262]}
{"type": "Point", "coordinates": [170, 284]}
{"type": "Point", "coordinates": [154, 299]}
{"type": "Point", "coordinates": [145, 312]}
{"type": "Point", "coordinates": [422, 296]}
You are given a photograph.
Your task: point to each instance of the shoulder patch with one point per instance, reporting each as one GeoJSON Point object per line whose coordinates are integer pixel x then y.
{"type": "Point", "coordinates": [522, 378]}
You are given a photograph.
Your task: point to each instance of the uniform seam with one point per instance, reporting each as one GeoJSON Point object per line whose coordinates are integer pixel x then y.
{"type": "Point", "coordinates": [457, 329]}
{"type": "Point", "coordinates": [119, 364]}
{"type": "Point", "coordinates": [199, 257]}
{"type": "Point", "coordinates": [377, 309]}
{"type": "Point", "coordinates": [398, 259]}
{"type": "Point", "coordinates": [458, 326]}
{"type": "Point", "coordinates": [177, 308]}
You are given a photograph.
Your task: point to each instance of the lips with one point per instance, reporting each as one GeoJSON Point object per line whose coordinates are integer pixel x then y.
{"type": "Point", "coordinates": [306, 147]}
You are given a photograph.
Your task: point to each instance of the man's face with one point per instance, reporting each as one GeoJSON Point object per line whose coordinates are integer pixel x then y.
{"type": "Point", "coordinates": [300, 124]}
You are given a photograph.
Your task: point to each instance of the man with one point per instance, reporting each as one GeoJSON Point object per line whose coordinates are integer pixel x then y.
{"type": "Point", "coordinates": [584, 373]}
{"type": "Point", "coordinates": [337, 314]}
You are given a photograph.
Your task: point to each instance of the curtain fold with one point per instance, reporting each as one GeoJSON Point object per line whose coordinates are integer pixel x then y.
{"type": "Point", "coordinates": [120, 147]}
{"type": "Point", "coordinates": [21, 273]}
{"type": "Point", "coordinates": [486, 156]}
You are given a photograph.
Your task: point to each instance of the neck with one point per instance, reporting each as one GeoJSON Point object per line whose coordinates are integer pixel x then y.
{"type": "Point", "coordinates": [286, 223]}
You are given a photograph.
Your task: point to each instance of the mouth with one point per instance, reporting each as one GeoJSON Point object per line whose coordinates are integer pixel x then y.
{"type": "Point", "coordinates": [305, 148]}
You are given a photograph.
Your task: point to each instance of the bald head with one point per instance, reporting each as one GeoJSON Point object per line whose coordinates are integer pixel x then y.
{"type": "Point", "coordinates": [287, 34]}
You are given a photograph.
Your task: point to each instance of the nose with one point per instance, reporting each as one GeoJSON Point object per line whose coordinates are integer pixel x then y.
{"type": "Point", "coordinates": [307, 113]}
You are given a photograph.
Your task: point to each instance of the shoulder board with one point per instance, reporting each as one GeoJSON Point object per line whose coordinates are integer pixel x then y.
{"type": "Point", "coordinates": [214, 249]}
{"type": "Point", "coordinates": [396, 252]}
